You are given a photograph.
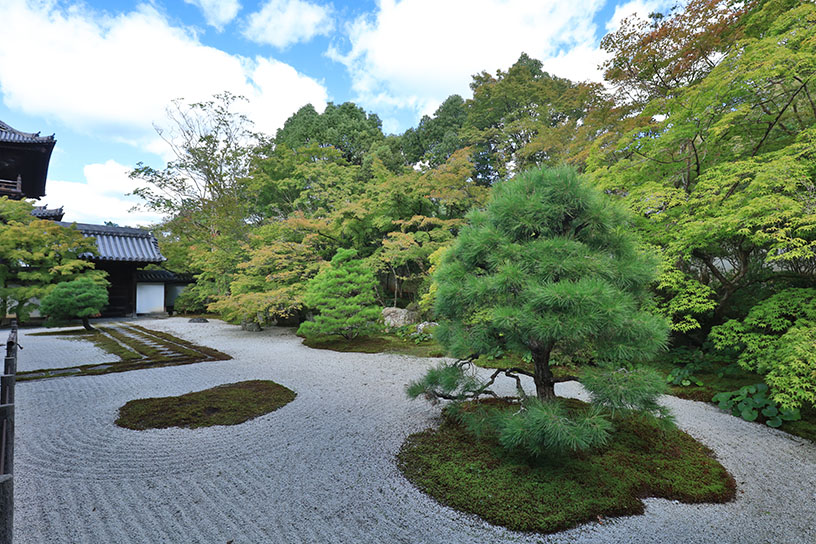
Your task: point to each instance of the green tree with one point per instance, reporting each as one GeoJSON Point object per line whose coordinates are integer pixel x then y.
{"type": "Point", "coordinates": [343, 294]}
{"type": "Point", "coordinates": [347, 128]}
{"type": "Point", "coordinates": [776, 339]}
{"type": "Point", "coordinates": [436, 138]}
{"type": "Point", "coordinates": [720, 170]}
{"type": "Point", "coordinates": [203, 191]}
{"type": "Point", "coordinates": [550, 263]}
{"type": "Point", "coordinates": [521, 118]}
{"type": "Point", "coordinates": [270, 285]}
{"type": "Point", "coordinates": [81, 298]}
{"type": "Point", "coordinates": [36, 254]}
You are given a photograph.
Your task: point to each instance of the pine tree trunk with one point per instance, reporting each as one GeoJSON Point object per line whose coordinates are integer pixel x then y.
{"type": "Point", "coordinates": [87, 324]}
{"type": "Point", "coordinates": [545, 385]}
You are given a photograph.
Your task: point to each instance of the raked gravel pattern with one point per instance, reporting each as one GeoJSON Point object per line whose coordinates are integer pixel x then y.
{"type": "Point", "coordinates": [321, 469]}
{"type": "Point", "coordinates": [57, 352]}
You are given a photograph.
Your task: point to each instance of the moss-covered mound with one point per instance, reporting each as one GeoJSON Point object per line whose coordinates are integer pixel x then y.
{"type": "Point", "coordinates": [377, 344]}
{"type": "Point", "coordinates": [228, 404]}
{"type": "Point", "coordinates": [477, 476]}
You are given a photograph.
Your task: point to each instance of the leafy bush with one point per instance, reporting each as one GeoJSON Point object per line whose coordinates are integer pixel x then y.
{"type": "Point", "coordinates": [81, 298]}
{"type": "Point", "coordinates": [190, 301]}
{"type": "Point", "coordinates": [751, 401]}
{"type": "Point", "coordinates": [776, 340]}
{"type": "Point", "coordinates": [343, 294]}
{"type": "Point", "coordinates": [409, 332]}
{"type": "Point", "coordinates": [683, 376]}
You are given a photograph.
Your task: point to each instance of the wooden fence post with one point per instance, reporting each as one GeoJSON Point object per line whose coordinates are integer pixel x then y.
{"type": "Point", "coordinates": [7, 381]}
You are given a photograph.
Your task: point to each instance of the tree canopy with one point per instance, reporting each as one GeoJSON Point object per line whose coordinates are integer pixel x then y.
{"type": "Point", "coordinates": [549, 263]}
{"type": "Point", "coordinates": [35, 255]}
{"type": "Point", "coordinates": [704, 130]}
{"type": "Point", "coordinates": [81, 298]}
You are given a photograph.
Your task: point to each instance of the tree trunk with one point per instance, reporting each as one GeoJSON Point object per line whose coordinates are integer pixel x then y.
{"type": "Point", "coordinates": [87, 324]}
{"type": "Point", "coordinates": [543, 378]}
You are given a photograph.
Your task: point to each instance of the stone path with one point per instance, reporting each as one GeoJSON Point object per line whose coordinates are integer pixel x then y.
{"type": "Point", "coordinates": [321, 469]}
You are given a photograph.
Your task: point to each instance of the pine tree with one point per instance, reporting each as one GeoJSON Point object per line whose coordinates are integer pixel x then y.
{"type": "Point", "coordinates": [80, 298]}
{"type": "Point", "coordinates": [343, 294]}
{"type": "Point", "coordinates": [550, 263]}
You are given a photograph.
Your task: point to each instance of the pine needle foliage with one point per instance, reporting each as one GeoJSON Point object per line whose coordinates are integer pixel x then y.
{"type": "Point", "coordinates": [551, 262]}
{"type": "Point", "coordinates": [445, 381]}
{"type": "Point", "coordinates": [81, 298]}
{"type": "Point", "coordinates": [535, 429]}
{"type": "Point", "coordinates": [545, 428]}
{"type": "Point", "coordinates": [626, 391]}
{"type": "Point", "coordinates": [343, 294]}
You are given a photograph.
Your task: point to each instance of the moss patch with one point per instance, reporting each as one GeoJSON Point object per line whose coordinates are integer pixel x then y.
{"type": "Point", "coordinates": [377, 344]}
{"type": "Point", "coordinates": [228, 404]}
{"type": "Point", "coordinates": [477, 476]}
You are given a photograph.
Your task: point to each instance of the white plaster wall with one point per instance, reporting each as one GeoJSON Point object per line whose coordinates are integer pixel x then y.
{"type": "Point", "coordinates": [149, 298]}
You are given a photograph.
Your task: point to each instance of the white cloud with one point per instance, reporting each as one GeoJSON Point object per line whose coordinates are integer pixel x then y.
{"type": "Point", "coordinates": [640, 8]}
{"type": "Point", "coordinates": [100, 198]}
{"type": "Point", "coordinates": [217, 12]}
{"type": "Point", "coordinates": [284, 22]}
{"type": "Point", "coordinates": [113, 76]}
{"type": "Point", "coordinates": [414, 53]}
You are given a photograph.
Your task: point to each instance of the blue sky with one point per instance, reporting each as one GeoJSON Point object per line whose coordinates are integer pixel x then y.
{"type": "Point", "coordinates": [99, 74]}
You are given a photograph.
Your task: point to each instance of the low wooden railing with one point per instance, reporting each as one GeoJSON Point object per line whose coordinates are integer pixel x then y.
{"type": "Point", "coordinates": [10, 187]}
{"type": "Point", "coordinates": [7, 437]}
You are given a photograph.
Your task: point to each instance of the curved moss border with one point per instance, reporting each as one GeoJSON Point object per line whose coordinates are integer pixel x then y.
{"type": "Point", "coordinates": [478, 477]}
{"type": "Point", "coordinates": [228, 404]}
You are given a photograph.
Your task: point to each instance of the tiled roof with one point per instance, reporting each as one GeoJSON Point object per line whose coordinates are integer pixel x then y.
{"type": "Point", "coordinates": [163, 276]}
{"type": "Point", "coordinates": [122, 244]}
{"type": "Point", "coordinates": [43, 212]}
{"type": "Point", "coordinates": [11, 135]}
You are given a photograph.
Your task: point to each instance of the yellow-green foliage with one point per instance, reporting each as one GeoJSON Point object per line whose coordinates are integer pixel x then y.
{"type": "Point", "coordinates": [35, 254]}
{"type": "Point", "coordinates": [778, 339]}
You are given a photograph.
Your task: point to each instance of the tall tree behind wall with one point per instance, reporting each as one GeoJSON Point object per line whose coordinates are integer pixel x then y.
{"type": "Point", "coordinates": [202, 190]}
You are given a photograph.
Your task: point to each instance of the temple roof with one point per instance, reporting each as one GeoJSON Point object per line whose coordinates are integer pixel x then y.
{"type": "Point", "coordinates": [120, 244]}
{"type": "Point", "coordinates": [24, 156]}
{"type": "Point", "coordinates": [44, 212]}
{"type": "Point", "coordinates": [163, 276]}
{"type": "Point", "coordinates": [12, 135]}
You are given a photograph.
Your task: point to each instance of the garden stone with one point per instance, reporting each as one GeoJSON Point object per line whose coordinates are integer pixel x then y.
{"type": "Point", "coordinates": [198, 320]}
{"type": "Point", "coordinates": [250, 326]}
{"type": "Point", "coordinates": [425, 325]}
{"type": "Point", "coordinates": [399, 317]}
